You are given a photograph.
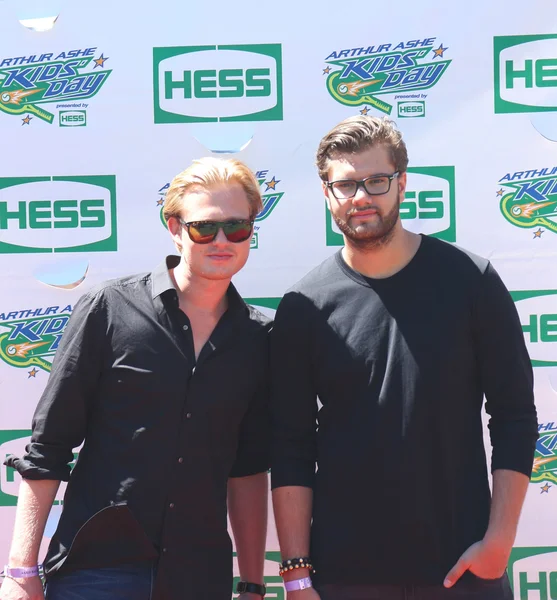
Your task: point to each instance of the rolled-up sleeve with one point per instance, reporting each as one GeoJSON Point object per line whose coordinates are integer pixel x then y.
{"type": "Point", "coordinates": [60, 419]}
{"type": "Point", "coordinates": [293, 395]}
{"type": "Point", "coordinates": [507, 376]}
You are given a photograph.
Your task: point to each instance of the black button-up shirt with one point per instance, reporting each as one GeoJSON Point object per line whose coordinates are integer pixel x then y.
{"type": "Point", "coordinates": [162, 433]}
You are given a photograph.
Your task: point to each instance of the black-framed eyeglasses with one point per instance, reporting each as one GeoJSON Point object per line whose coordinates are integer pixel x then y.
{"type": "Point", "coordinates": [343, 189]}
{"type": "Point", "coordinates": [204, 232]}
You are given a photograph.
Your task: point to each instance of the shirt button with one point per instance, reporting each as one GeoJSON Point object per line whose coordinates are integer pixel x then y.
{"type": "Point", "coordinates": [188, 415]}
{"type": "Point", "coordinates": [180, 460]}
{"type": "Point", "coordinates": [171, 505]}
{"type": "Point", "coordinates": [185, 327]}
{"type": "Point", "coordinates": [165, 550]}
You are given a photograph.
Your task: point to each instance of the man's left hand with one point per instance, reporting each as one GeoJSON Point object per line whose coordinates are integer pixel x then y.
{"type": "Point", "coordinates": [483, 559]}
{"type": "Point", "coordinates": [247, 596]}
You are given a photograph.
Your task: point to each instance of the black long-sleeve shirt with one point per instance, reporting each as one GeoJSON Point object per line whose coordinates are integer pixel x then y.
{"type": "Point", "coordinates": [400, 366]}
{"type": "Point", "coordinates": [163, 433]}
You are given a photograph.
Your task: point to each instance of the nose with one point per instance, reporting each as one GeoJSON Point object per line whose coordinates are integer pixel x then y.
{"type": "Point", "coordinates": [221, 238]}
{"type": "Point", "coordinates": [361, 196]}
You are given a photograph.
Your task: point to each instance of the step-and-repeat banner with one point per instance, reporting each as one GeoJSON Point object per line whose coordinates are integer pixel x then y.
{"type": "Point", "coordinates": [98, 114]}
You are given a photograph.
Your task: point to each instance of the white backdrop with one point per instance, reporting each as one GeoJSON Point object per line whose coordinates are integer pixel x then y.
{"type": "Point", "coordinates": [98, 114]}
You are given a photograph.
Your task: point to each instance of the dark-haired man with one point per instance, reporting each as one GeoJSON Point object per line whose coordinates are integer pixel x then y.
{"type": "Point", "coordinates": [399, 336]}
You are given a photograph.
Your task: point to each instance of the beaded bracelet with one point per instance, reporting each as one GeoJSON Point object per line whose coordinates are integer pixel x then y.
{"type": "Point", "coordinates": [295, 563]}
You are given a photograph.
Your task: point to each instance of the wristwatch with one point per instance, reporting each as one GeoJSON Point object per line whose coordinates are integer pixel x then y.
{"type": "Point", "coordinates": [243, 587]}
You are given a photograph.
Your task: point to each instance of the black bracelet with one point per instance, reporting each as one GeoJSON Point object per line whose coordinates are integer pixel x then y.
{"type": "Point", "coordinates": [290, 564]}
{"type": "Point", "coordinates": [250, 588]}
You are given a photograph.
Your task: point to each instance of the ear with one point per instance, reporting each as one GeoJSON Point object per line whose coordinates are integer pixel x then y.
{"type": "Point", "coordinates": [401, 182]}
{"type": "Point", "coordinates": [175, 230]}
{"type": "Point", "coordinates": [326, 194]}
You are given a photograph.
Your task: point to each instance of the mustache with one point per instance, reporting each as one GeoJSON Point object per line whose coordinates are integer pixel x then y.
{"type": "Point", "coordinates": [355, 211]}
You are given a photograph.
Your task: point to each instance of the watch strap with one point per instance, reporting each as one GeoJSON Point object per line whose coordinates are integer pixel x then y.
{"type": "Point", "coordinates": [243, 587]}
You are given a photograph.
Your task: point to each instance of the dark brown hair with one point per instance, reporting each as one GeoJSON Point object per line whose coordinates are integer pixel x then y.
{"type": "Point", "coordinates": [360, 133]}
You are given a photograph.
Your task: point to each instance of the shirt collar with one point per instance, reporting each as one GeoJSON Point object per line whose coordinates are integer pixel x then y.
{"type": "Point", "coordinates": [160, 277]}
{"type": "Point", "coordinates": [235, 301]}
{"type": "Point", "coordinates": [162, 282]}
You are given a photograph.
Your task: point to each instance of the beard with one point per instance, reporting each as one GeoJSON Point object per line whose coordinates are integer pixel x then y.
{"type": "Point", "coordinates": [372, 234]}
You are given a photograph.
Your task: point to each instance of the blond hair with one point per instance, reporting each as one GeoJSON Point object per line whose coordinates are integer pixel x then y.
{"type": "Point", "coordinates": [360, 133]}
{"type": "Point", "coordinates": [206, 173]}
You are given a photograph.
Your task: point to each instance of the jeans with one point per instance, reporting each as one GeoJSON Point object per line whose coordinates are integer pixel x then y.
{"type": "Point", "coordinates": [126, 582]}
{"type": "Point", "coordinates": [476, 589]}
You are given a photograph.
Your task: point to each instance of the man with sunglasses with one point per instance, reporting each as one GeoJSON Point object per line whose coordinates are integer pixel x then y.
{"type": "Point", "coordinates": [164, 378]}
{"type": "Point", "coordinates": [399, 336]}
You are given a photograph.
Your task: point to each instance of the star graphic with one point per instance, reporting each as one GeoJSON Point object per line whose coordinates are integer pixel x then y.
{"type": "Point", "coordinates": [538, 234]}
{"type": "Point", "coordinates": [27, 120]}
{"type": "Point", "coordinates": [271, 185]}
{"type": "Point", "coordinates": [364, 111]}
{"type": "Point", "coordinates": [499, 192]}
{"type": "Point", "coordinates": [33, 372]}
{"type": "Point", "coordinates": [326, 70]}
{"type": "Point", "coordinates": [545, 489]}
{"type": "Point", "coordinates": [160, 201]}
{"type": "Point", "coordinates": [439, 51]}
{"type": "Point", "coordinates": [99, 62]}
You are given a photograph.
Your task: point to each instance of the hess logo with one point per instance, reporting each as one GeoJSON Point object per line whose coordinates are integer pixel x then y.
{"type": "Point", "coordinates": [226, 83]}
{"type": "Point", "coordinates": [73, 118]}
{"type": "Point", "coordinates": [411, 109]}
{"type": "Point", "coordinates": [538, 315]}
{"type": "Point", "coordinates": [58, 214]}
{"type": "Point", "coordinates": [525, 73]}
{"type": "Point", "coordinates": [218, 83]}
{"type": "Point", "coordinates": [11, 442]}
{"type": "Point", "coordinates": [533, 573]}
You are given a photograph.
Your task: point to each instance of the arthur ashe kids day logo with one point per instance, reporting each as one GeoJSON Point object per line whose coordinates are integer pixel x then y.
{"type": "Point", "coordinates": [544, 470]}
{"type": "Point", "coordinates": [270, 195]}
{"type": "Point", "coordinates": [402, 71]}
{"type": "Point", "coordinates": [529, 199]}
{"type": "Point", "coordinates": [30, 84]}
{"type": "Point", "coordinates": [29, 338]}
{"type": "Point", "coordinates": [428, 207]}
{"type": "Point", "coordinates": [200, 84]}
{"type": "Point", "coordinates": [525, 71]}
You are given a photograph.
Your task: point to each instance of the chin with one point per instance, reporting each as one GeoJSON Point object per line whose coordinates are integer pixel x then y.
{"type": "Point", "coordinates": [219, 275]}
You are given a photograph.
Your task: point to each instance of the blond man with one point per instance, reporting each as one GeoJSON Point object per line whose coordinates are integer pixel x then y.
{"type": "Point", "coordinates": [163, 377]}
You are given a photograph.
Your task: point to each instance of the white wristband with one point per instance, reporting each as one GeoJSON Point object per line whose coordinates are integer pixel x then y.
{"type": "Point", "coordinates": [297, 584]}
